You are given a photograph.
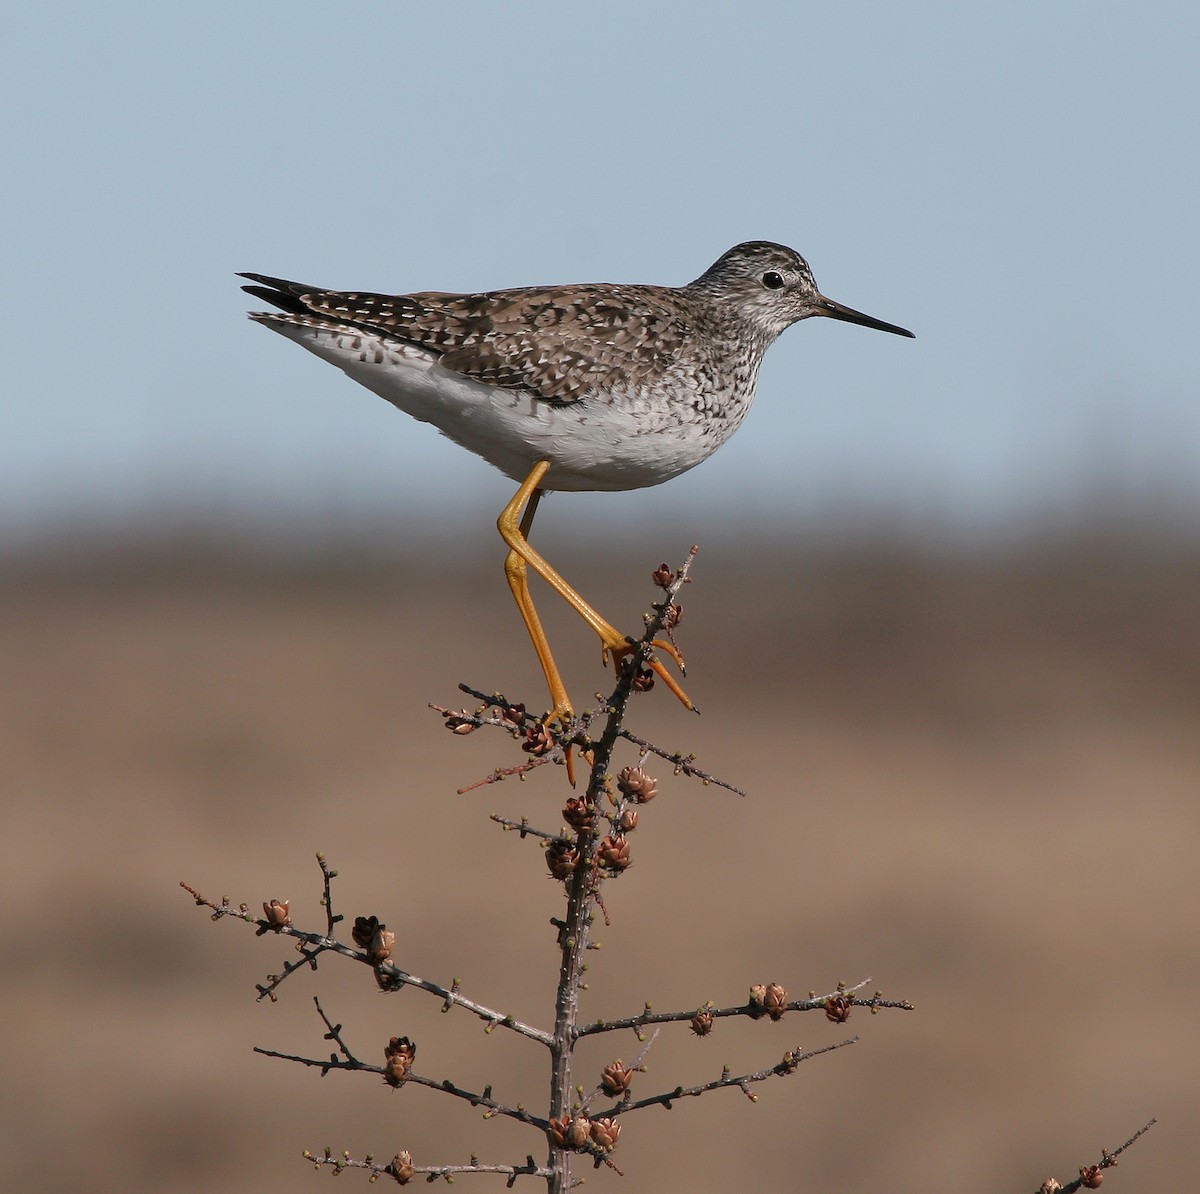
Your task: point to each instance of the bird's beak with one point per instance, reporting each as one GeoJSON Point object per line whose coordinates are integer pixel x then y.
{"type": "Point", "coordinates": [828, 307]}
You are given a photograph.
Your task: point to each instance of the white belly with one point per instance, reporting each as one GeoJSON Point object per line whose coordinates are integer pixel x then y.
{"type": "Point", "coordinates": [614, 441]}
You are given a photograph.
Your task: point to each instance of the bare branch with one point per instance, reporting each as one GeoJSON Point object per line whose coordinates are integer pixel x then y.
{"type": "Point", "coordinates": [348, 1061]}
{"type": "Point", "coordinates": [683, 764]}
{"type": "Point", "coordinates": [1090, 1176]}
{"type": "Point", "coordinates": [312, 945]}
{"type": "Point", "coordinates": [785, 1066]}
{"type": "Point", "coordinates": [812, 1003]}
{"type": "Point", "coordinates": [523, 828]}
{"type": "Point", "coordinates": [430, 1172]}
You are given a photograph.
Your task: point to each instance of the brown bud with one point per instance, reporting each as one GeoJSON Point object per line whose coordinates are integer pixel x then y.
{"type": "Point", "coordinates": [702, 1022]}
{"type": "Point", "coordinates": [386, 980]}
{"type": "Point", "coordinates": [277, 914]}
{"type": "Point", "coordinates": [539, 739]}
{"type": "Point", "coordinates": [775, 1001]}
{"type": "Point", "coordinates": [673, 616]}
{"type": "Point", "coordinates": [613, 853]}
{"type": "Point", "coordinates": [629, 820]}
{"type": "Point", "coordinates": [578, 1131]}
{"type": "Point", "coordinates": [1050, 1186]}
{"type": "Point", "coordinates": [615, 1079]}
{"type": "Point", "coordinates": [635, 784]}
{"type": "Point", "coordinates": [401, 1168]}
{"type": "Point", "coordinates": [562, 857]}
{"type": "Point", "coordinates": [399, 1052]}
{"type": "Point", "coordinates": [758, 996]}
{"type": "Point", "coordinates": [579, 814]}
{"type": "Point", "coordinates": [363, 930]}
{"type": "Point", "coordinates": [663, 575]}
{"type": "Point", "coordinates": [605, 1133]}
{"type": "Point", "coordinates": [382, 941]}
{"type": "Point", "coordinates": [570, 1133]}
{"type": "Point", "coordinates": [1091, 1176]}
{"type": "Point", "coordinates": [644, 680]}
{"type": "Point", "coordinates": [514, 715]}
{"type": "Point", "coordinates": [460, 722]}
{"type": "Point", "coordinates": [837, 1009]}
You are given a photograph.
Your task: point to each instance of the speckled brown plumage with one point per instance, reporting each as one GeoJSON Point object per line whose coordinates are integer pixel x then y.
{"type": "Point", "coordinates": [618, 362]}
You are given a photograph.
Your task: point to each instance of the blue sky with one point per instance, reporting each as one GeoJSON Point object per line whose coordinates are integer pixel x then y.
{"type": "Point", "coordinates": [1016, 183]}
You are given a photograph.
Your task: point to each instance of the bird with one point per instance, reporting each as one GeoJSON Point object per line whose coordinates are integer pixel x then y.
{"type": "Point", "coordinates": [591, 387]}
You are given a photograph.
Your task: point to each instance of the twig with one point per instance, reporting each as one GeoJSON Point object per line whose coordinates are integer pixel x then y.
{"type": "Point", "coordinates": [682, 763]}
{"type": "Point", "coordinates": [503, 773]}
{"type": "Point", "coordinates": [328, 877]}
{"type": "Point", "coordinates": [523, 828]}
{"type": "Point", "coordinates": [530, 1169]}
{"type": "Point", "coordinates": [786, 1065]}
{"type": "Point", "coordinates": [812, 1003]}
{"type": "Point", "coordinates": [1092, 1175]}
{"type": "Point", "coordinates": [348, 1061]}
{"type": "Point", "coordinates": [318, 943]}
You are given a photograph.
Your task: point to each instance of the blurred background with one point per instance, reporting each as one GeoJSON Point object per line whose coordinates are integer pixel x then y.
{"type": "Point", "coordinates": [943, 625]}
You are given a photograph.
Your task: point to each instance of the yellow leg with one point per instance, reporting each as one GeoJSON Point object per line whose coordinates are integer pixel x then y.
{"type": "Point", "coordinates": [514, 525]}
{"type": "Point", "coordinates": [517, 575]}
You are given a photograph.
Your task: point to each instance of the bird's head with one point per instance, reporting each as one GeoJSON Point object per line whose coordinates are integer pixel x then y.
{"type": "Point", "coordinates": [772, 287]}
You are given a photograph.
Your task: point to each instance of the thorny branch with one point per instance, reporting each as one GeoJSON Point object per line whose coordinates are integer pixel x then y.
{"type": "Point", "coordinates": [511, 717]}
{"type": "Point", "coordinates": [582, 860]}
{"type": "Point", "coordinates": [1090, 1176]}
{"type": "Point", "coordinates": [840, 1001]}
{"type": "Point", "coordinates": [348, 1061]}
{"type": "Point", "coordinates": [786, 1065]}
{"type": "Point", "coordinates": [683, 764]}
{"type": "Point", "coordinates": [403, 1170]}
{"type": "Point", "coordinates": [390, 976]}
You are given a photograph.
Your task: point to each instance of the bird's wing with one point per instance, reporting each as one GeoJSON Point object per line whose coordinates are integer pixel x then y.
{"type": "Point", "coordinates": [560, 345]}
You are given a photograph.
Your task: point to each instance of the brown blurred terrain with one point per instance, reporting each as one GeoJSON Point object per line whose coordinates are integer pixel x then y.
{"type": "Point", "coordinates": [974, 778]}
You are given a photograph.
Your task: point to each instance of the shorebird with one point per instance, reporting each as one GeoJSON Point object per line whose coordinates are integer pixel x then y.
{"type": "Point", "coordinates": [587, 387]}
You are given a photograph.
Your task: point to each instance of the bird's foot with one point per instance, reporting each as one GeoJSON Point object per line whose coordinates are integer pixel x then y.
{"type": "Point", "coordinates": [627, 646]}
{"type": "Point", "coordinates": [557, 724]}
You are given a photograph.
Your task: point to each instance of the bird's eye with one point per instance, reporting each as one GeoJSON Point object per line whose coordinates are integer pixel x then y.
{"type": "Point", "coordinates": [772, 281]}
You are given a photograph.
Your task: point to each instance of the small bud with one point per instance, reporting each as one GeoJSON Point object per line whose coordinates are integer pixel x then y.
{"type": "Point", "coordinates": [663, 575]}
{"type": "Point", "coordinates": [1091, 1176]}
{"type": "Point", "coordinates": [578, 1131]}
{"type": "Point", "coordinates": [702, 1022]}
{"type": "Point", "coordinates": [460, 722]}
{"type": "Point", "coordinates": [363, 930]}
{"type": "Point", "coordinates": [673, 616]}
{"type": "Point", "coordinates": [558, 1131]}
{"type": "Point", "coordinates": [775, 1001]}
{"type": "Point", "coordinates": [539, 739]}
{"type": "Point", "coordinates": [400, 1052]}
{"type": "Point", "coordinates": [381, 944]}
{"type": "Point", "coordinates": [387, 981]}
{"type": "Point", "coordinates": [277, 913]}
{"type": "Point", "coordinates": [515, 716]}
{"type": "Point", "coordinates": [629, 820]}
{"type": "Point", "coordinates": [579, 814]}
{"type": "Point", "coordinates": [605, 1133]}
{"type": "Point", "coordinates": [613, 853]}
{"type": "Point", "coordinates": [615, 1079]}
{"type": "Point", "coordinates": [644, 680]}
{"type": "Point", "coordinates": [562, 857]}
{"type": "Point", "coordinates": [1050, 1186]}
{"type": "Point", "coordinates": [401, 1168]}
{"type": "Point", "coordinates": [758, 996]}
{"type": "Point", "coordinates": [837, 1009]}
{"type": "Point", "coordinates": [635, 784]}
